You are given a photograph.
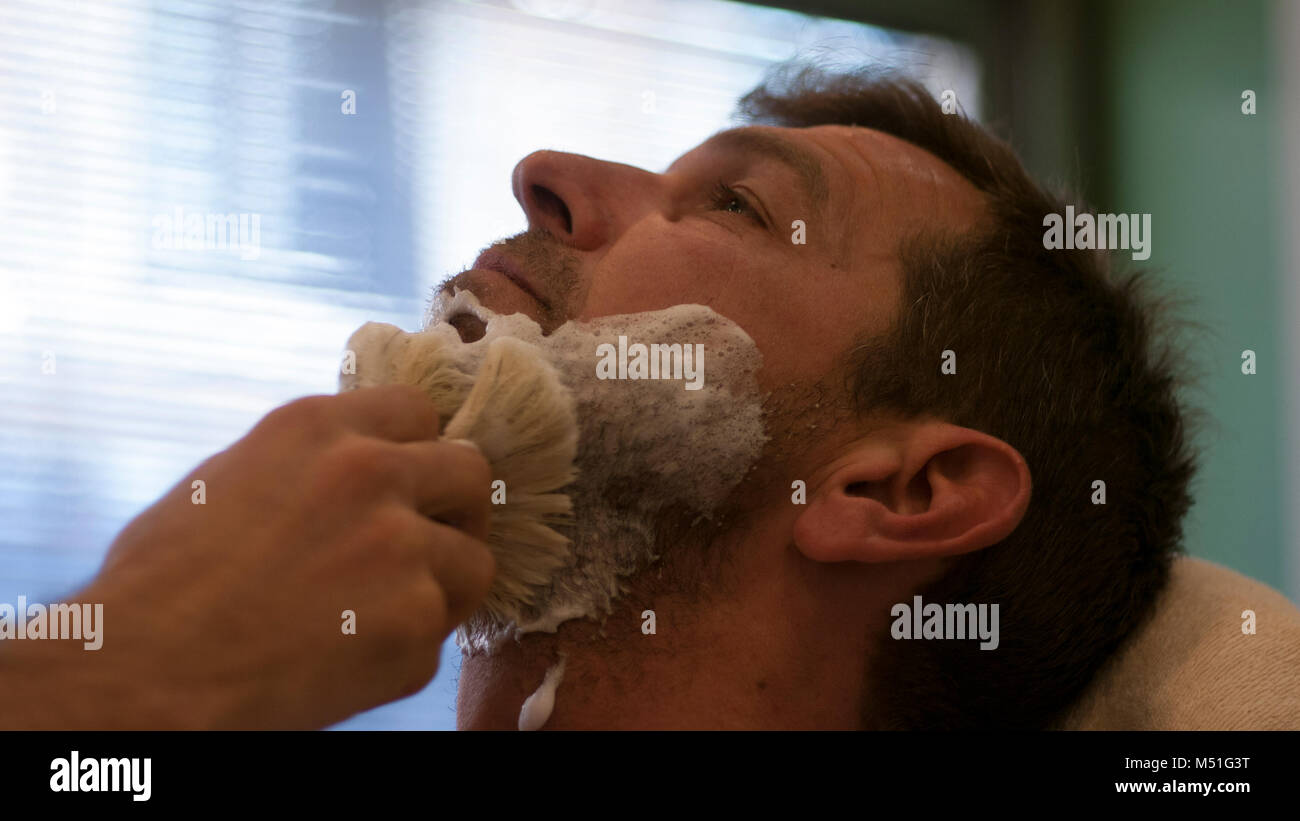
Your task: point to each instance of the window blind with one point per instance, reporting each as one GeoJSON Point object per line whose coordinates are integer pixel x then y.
{"type": "Point", "coordinates": [196, 223]}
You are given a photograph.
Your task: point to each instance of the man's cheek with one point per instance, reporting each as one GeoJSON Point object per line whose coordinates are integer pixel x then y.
{"type": "Point", "coordinates": [678, 266]}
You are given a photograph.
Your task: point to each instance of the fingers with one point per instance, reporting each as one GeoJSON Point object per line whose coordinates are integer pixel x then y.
{"type": "Point", "coordinates": [397, 413]}
{"type": "Point", "coordinates": [463, 567]}
{"type": "Point", "coordinates": [449, 482]}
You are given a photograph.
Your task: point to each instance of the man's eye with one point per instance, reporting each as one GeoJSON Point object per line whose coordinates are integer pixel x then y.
{"type": "Point", "coordinates": [726, 198]}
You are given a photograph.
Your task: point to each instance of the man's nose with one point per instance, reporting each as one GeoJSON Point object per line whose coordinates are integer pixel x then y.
{"type": "Point", "coordinates": [584, 202]}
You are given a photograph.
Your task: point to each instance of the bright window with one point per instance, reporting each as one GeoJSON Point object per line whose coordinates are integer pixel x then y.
{"type": "Point", "coordinates": [135, 342]}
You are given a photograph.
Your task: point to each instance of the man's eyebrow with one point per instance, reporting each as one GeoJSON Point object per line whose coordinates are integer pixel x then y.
{"type": "Point", "coordinates": [796, 157]}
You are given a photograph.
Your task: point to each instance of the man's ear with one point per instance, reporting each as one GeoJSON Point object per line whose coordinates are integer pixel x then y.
{"type": "Point", "coordinates": [915, 491]}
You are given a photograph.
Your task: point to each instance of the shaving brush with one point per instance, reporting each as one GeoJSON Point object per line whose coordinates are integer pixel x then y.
{"type": "Point", "coordinates": [505, 397]}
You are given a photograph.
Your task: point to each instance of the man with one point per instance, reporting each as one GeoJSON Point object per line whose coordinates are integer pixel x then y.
{"type": "Point", "coordinates": [924, 357]}
{"type": "Point", "coordinates": [924, 243]}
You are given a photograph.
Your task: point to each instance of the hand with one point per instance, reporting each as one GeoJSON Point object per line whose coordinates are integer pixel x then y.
{"type": "Point", "coordinates": [231, 613]}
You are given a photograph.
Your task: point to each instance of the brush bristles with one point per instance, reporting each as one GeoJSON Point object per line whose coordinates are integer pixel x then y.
{"type": "Point", "coordinates": [523, 419]}
{"type": "Point", "coordinates": [429, 368]}
{"type": "Point", "coordinates": [387, 356]}
{"type": "Point", "coordinates": [519, 414]}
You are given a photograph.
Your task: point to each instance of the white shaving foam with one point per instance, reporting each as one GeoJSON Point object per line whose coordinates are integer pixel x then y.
{"type": "Point", "coordinates": [648, 448]}
{"type": "Point", "coordinates": [537, 708]}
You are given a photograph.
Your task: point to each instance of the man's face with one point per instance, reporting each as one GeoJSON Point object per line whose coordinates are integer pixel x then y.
{"type": "Point", "coordinates": [607, 238]}
{"type": "Point", "coordinates": [717, 228]}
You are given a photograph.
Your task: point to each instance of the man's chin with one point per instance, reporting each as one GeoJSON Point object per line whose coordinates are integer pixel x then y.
{"type": "Point", "coordinates": [660, 450]}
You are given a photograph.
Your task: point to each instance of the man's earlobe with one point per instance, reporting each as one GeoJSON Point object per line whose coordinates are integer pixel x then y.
{"type": "Point", "coordinates": [932, 490]}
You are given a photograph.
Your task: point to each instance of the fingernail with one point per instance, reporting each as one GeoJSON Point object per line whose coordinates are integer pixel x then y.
{"type": "Point", "coordinates": [467, 443]}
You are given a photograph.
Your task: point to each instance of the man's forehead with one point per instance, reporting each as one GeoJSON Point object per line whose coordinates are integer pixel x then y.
{"type": "Point", "coordinates": [892, 164]}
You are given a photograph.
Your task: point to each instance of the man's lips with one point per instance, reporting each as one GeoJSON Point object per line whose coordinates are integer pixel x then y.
{"type": "Point", "coordinates": [496, 261]}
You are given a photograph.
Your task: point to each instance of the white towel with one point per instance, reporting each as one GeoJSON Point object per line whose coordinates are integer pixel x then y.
{"type": "Point", "coordinates": [1192, 668]}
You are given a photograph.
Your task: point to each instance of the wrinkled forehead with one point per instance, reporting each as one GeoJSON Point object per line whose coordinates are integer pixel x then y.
{"type": "Point", "coordinates": [885, 178]}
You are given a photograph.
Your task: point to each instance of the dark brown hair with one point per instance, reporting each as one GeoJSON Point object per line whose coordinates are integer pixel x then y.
{"type": "Point", "coordinates": [1057, 356]}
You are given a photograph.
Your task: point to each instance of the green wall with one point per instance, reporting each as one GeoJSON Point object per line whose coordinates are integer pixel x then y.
{"type": "Point", "coordinates": [1175, 144]}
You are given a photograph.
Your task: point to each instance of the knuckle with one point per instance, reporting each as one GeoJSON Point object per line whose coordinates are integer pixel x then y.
{"type": "Point", "coordinates": [386, 533]}
{"type": "Point", "coordinates": [358, 465]}
{"type": "Point", "coordinates": [311, 415]}
{"type": "Point", "coordinates": [409, 400]}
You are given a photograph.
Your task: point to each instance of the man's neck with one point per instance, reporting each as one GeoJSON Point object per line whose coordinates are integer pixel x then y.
{"type": "Point", "coordinates": [775, 652]}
